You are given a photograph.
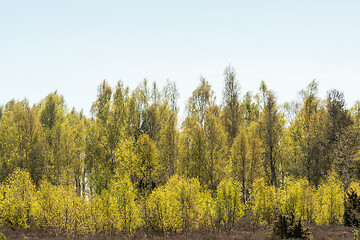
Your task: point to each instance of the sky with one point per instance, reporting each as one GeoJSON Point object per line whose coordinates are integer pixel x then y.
{"type": "Point", "coordinates": [71, 46]}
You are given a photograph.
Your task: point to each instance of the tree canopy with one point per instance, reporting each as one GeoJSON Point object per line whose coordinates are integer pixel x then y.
{"type": "Point", "coordinates": [132, 163]}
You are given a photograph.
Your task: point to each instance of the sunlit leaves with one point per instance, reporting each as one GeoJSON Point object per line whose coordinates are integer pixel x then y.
{"type": "Point", "coordinates": [22, 142]}
{"type": "Point", "coordinates": [17, 197]}
{"type": "Point", "coordinates": [265, 202]}
{"type": "Point", "coordinates": [330, 201]}
{"type": "Point", "coordinates": [229, 205]}
{"type": "Point", "coordinates": [178, 206]}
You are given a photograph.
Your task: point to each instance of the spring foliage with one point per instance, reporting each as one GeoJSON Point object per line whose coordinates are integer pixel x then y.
{"type": "Point", "coordinates": [228, 203]}
{"type": "Point", "coordinates": [18, 193]}
{"type": "Point", "coordinates": [182, 204]}
{"type": "Point", "coordinates": [132, 165]}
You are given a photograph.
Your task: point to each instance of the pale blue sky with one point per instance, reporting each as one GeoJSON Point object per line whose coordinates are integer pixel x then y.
{"type": "Point", "coordinates": [71, 46]}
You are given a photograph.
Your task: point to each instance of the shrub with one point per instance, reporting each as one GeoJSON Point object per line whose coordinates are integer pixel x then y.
{"type": "Point", "coordinates": [126, 211]}
{"type": "Point", "coordinates": [330, 201]}
{"type": "Point", "coordinates": [264, 202]}
{"type": "Point", "coordinates": [45, 207]}
{"type": "Point", "coordinates": [101, 208]}
{"type": "Point", "coordinates": [298, 199]}
{"type": "Point", "coordinates": [61, 209]}
{"type": "Point", "coordinates": [178, 206]}
{"type": "Point", "coordinates": [287, 227]}
{"type": "Point", "coordinates": [229, 206]}
{"type": "Point", "coordinates": [18, 193]}
{"type": "Point", "coordinates": [352, 205]}
{"type": "Point", "coordinates": [163, 211]}
{"type": "Point", "coordinates": [352, 209]}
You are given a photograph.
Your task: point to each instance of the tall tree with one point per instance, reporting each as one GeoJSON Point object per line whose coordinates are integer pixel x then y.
{"type": "Point", "coordinates": [232, 111]}
{"type": "Point", "coordinates": [202, 98]}
{"type": "Point", "coordinates": [117, 122]}
{"type": "Point", "coordinates": [101, 107]}
{"type": "Point", "coordinates": [271, 125]}
{"type": "Point", "coordinates": [168, 135]}
{"type": "Point", "coordinates": [171, 95]}
{"type": "Point", "coordinates": [73, 145]}
{"type": "Point", "coordinates": [52, 116]}
{"type": "Point", "coordinates": [251, 109]}
{"type": "Point", "coordinates": [202, 138]}
{"type": "Point", "coordinates": [239, 156]}
{"type": "Point", "coordinates": [215, 164]}
{"type": "Point", "coordinates": [118, 119]}
{"type": "Point", "coordinates": [168, 145]}
{"type": "Point", "coordinates": [99, 154]}
{"type": "Point", "coordinates": [305, 138]}
{"type": "Point", "coordinates": [339, 116]}
{"type": "Point", "coordinates": [147, 156]}
{"type": "Point", "coordinates": [144, 111]}
{"type": "Point", "coordinates": [341, 136]}
{"type": "Point", "coordinates": [22, 142]}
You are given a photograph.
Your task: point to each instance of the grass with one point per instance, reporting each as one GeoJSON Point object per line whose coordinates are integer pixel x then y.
{"type": "Point", "coordinates": [241, 230]}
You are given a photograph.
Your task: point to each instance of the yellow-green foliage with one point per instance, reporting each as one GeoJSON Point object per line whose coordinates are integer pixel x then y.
{"type": "Point", "coordinates": [298, 199]}
{"type": "Point", "coordinates": [45, 208]}
{"type": "Point", "coordinates": [162, 211]}
{"type": "Point", "coordinates": [264, 202]}
{"type": "Point", "coordinates": [147, 154]}
{"type": "Point", "coordinates": [205, 210]}
{"type": "Point", "coordinates": [179, 205]}
{"type": "Point", "coordinates": [130, 166]}
{"type": "Point", "coordinates": [115, 209]}
{"type": "Point", "coordinates": [74, 217]}
{"type": "Point", "coordinates": [126, 210]}
{"type": "Point", "coordinates": [101, 211]}
{"type": "Point", "coordinates": [355, 185]}
{"type": "Point", "coordinates": [229, 206]}
{"type": "Point", "coordinates": [330, 201]}
{"type": "Point", "coordinates": [17, 196]}
{"type": "Point", "coordinates": [60, 208]}
{"type": "Point", "coordinates": [307, 207]}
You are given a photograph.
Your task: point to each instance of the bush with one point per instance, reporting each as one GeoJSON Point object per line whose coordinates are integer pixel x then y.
{"type": "Point", "coordinates": [264, 202]}
{"type": "Point", "coordinates": [287, 227]}
{"type": "Point", "coordinates": [163, 211]}
{"type": "Point", "coordinates": [298, 199]}
{"type": "Point", "coordinates": [330, 201]}
{"type": "Point", "coordinates": [101, 208]}
{"type": "Point", "coordinates": [229, 206]}
{"type": "Point", "coordinates": [61, 209]}
{"type": "Point", "coordinates": [178, 206]}
{"type": "Point", "coordinates": [45, 207]}
{"type": "Point", "coordinates": [352, 209]}
{"type": "Point", "coordinates": [126, 211]}
{"type": "Point", "coordinates": [18, 193]}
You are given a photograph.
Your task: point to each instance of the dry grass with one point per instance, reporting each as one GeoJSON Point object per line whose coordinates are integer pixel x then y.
{"type": "Point", "coordinates": [242, 230]}
{"type": "Point", "coordinates": [338, 232]}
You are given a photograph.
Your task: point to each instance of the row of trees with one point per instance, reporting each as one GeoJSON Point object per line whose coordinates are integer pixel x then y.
{"type": "Point", "coordinates": [134, 136]}
{"type": "Point", "coordinates": [181, 204]}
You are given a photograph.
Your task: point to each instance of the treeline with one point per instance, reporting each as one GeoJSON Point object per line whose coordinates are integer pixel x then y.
{"type": "Point", "coordinates": [182, 204]}
{"type": "Point", "coordinates": [132, 165]}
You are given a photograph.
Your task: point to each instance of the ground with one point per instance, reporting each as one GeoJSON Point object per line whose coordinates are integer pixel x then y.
{"type": "Point", "coordinates": [242, 230]}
